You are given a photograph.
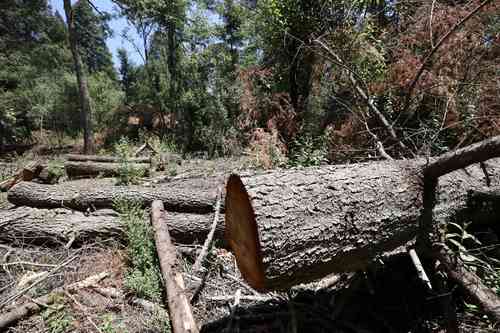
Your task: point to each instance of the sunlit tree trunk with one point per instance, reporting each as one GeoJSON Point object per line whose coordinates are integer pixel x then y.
{"type": "Point", "coordinates": [85, 106]}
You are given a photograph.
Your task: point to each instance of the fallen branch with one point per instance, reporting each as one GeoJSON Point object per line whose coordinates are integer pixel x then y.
{"type": "Point", "coordinates": [470, 284]}
{"type": "Point", "coordinates": [22, 311]}
{"type": "Point", "coordinates": [208, 242]}
{"type": "Point", "coordinates": [37, 282]}
{"type": "Point", "coordinates": [179, 308]}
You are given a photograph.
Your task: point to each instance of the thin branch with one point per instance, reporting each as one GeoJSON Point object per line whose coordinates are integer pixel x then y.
{"type": "Point", "coordinates": [208, 241]}
{"type": "Point", "coordinates": [364, 95]}
{"type": "Point", "coordinates": [461, 158]}
{"type": "Point", "coordinates": [428, 59]}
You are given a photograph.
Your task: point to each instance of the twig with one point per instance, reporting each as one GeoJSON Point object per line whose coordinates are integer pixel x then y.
{"type": "Point", "coordinates": [26, 263]}
{"type": "Point", "coordinates": [422, 275]}
{"type": "Point", "coordinates": [9, 318]}
{"type": "Point", "coordinates": [241, 298]}
{"type": "Point", "coordinates": [208, 241]}
{"type": "Point", "coordinates": [366, 98]}
{"type": "Point", "coordinates": [43, 278]}
{"type": "Point", "coordinates": [428, 58]}
{"type": "Point", "coordinates": [83, 310]}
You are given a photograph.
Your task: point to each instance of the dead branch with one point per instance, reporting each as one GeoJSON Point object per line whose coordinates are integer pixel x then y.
{"type": "Point", "coordinates": [22, 311]}
{"type": "Point", "coordinates": [208, 242]}
{"type": "Point", "coordinates": [461, 158]}
{"type": "Point", "coordinates": [428, 59]}
{"type": "Point", "coordinates": [470, 284]}
{"type": "Point", "coordinates": [179, 308]}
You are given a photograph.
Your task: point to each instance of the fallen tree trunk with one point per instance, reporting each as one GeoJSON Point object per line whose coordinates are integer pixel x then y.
{"type": "Point", "coordinates": [105, 159]}
{"type": "Point", "coordinates": [294, 226]}
{"type": "Point", "coordinates": [61, 226]}
{"type": "Point", "coordinates": [195, 195]}
{"type": "Point", "coordinates": [180, 311]}
{"type": "Point", "coordinates": [94, 169]}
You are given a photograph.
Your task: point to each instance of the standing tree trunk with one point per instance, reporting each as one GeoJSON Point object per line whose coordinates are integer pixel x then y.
{"type": "Point", "coordinates": [81, 77]}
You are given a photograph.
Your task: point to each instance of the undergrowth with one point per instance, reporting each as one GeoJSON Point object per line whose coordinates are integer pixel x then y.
{"type": "Point", "coordinates": [127, 174]}
{"type": "Point", "coordinates": [143, 276]}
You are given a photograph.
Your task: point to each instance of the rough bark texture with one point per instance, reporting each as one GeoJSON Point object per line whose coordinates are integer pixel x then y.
{"type": "Point", "coordinates": [110, 159]}
{"type": "Point", "coordinates": [59, 226]}
{"type": "Point", "coordinates": [194, 195]}
{"type": "Point", "coordinates": [94, 169]}
{"type": "Point", "coordinates": [56, 226]}
{"type": "Point", "coordinates": [81, 77]}
{"type": "Point", "coordinates": [293, 226]}
{"type": "Point", "coordinates": [181, 315]}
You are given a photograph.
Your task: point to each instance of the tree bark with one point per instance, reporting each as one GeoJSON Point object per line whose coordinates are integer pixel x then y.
{"type": "Point", "coordinates": [181, 315]}
{"type": "Point", "coordinates": [81, 77]}
{"type": "Point", "coordinates": [94, 169]}
{"type": "Point", "coordinates": [109, 159]}
{"type": "Point", "coordinates": [294, 226]}
{"type": "Point", "coordinates": [60, 226]}
{"type": "Point", "coordinates": [194, 195]}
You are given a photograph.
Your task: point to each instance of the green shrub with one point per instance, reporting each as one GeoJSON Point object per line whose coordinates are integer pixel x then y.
{"type": "Point", "coordinates": [127, 174]}
{"type": "Point", "coordinates": [143, 276]}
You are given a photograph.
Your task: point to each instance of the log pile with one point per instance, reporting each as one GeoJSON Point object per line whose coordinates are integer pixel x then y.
{"type": "Point", "coordinates": [284, 227]}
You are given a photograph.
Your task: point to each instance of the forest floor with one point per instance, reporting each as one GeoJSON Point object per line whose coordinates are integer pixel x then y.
{"type": "Point", "coordinates": [387, 297]}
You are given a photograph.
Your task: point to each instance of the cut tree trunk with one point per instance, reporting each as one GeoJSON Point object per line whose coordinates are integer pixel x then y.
{"type": "Point", "coordinates": [27, 173]}
{"type": "Point", "coordinates": [109, 159]}
{"type": "Point", "coordinates": [180, 311]}
{"type": "Point", "coordinates": [194, 195]}
{"type": "Point", "coordinates": [94, 169]}
{"type": "Point", "coordinates": [294, 226]}
{"type": "Point", "coordinates": [60, 226]}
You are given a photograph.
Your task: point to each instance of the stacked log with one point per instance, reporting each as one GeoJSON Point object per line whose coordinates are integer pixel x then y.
{"type": "Point", "coordinates": [62, 225]}
{"type": "Point", "coordinates": [183, 195]}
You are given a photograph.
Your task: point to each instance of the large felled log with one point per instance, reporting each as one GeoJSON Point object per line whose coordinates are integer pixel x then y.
{"type": "Point", "coordinates": [179, 308]}
{"type": "Point", "coordinates": [195, 195]}
{"type": "Point", "coordinates": [94, 169]}
{"type": "Point", "coordinates": [105, 159]}
{"type": "Point", "coordinates": [60, 226]}
{"type": "Point", "coordinates": [293, 226]}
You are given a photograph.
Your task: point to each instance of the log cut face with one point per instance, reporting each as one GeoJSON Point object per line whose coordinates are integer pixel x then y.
{"type": "Point", "coordinates": [294, 226]}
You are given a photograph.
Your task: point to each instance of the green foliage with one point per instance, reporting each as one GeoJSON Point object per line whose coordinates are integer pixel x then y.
{"type": "Point", "coordinates": [56, 317]}
{"type": "Point", "coordinates": [307, 151]}
{"type": "Point", "coordinates": [128, 175]}
{"type": "Point", "coordinates": [106, 97]}
{"type": "Point", "coordinates": [109, 325]}
{"type": "Point", "coordinates": [143, 276]}
{"type": "Point", "coordinates": [92, 30]}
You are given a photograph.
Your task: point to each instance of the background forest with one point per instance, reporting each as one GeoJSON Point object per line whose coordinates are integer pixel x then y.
{"type": "Point", "coordinates": [286, 81]}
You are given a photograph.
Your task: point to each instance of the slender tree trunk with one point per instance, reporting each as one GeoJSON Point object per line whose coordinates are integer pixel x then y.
{"type": "Point", "coordinates": [85, 106]}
